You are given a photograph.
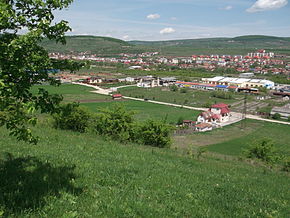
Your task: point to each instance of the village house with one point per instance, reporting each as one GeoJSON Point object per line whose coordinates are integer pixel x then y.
{"type": "Point", "coordinates": [222, 110]}
{"type": "Point", "coordinates": [218, 113]}
{"type": "Point", "coordinates": [148, 82]}
{"type": "Point", "coordinates": [208, 117]}
{"type": "Point", "coordinates": [94, 80]}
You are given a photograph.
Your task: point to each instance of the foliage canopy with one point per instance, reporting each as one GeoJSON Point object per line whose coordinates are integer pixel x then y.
{"type": "Point", "coordinates": [23, 63]}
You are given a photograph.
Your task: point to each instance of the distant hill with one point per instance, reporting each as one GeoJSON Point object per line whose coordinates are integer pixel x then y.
{"type": "Point", "coordinates": [110, 46]}
{"type": "Point", "coordinates": [252, 40]}
{"type": "Point", "coordinates": [94, 44]}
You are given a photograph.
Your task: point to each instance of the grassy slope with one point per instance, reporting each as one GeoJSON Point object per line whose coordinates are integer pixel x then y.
{"type": "Point", "coordinates": [74, 175]}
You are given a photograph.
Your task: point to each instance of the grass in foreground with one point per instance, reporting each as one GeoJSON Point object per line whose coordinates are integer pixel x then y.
{"type": "Point", "coordinates": [82, 175]}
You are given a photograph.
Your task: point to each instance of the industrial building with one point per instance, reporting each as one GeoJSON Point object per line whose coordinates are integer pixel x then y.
{"type": "Point", "coordinates": [239, 82]}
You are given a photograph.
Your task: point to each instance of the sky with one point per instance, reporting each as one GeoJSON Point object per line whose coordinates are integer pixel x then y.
{"type": "Point", "coordinates": [154, 20]}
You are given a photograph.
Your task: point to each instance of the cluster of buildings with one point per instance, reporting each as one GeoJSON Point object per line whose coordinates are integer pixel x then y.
{"type": "Point", "coordinates": [260, 62]}
{"type": "Point", "coordinates": [213, 84]}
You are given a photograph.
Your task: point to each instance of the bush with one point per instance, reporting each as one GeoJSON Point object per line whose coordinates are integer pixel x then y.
{"type": "Point", "coordinates": [288, 119]}
{"type": "Point", "coordinates": [276, 116]}
{"type": "Point", "coordinates": [173, 88]}
{"type": "Point", "coordinates": [155, 133]}
{"type": "Point", "coordinates": [115, 122]}
{"type": "Point", "coordinates": [183, 90]}
{"type": "Point", "coordinates": [286, 165]}
{"type": "Point", "coordinates": [180, 121]}
{"type": "Point", "coordinates": [263, 150]}
{"type": "Point", "coordinates": [72, 117]}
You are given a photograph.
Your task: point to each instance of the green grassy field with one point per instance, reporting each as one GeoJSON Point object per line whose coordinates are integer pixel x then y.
{"type": "Point", "coordinates": [278, 133]}
{"type": "Point", "coordinates": [232, 140]}
{"type": "Point", "coordinates": [143, 110]}
{"type": "Point", "coordinates": [82, 175]}
{"type": "Point", "coordinates": [191, 97]}
{"type": "Point", "coordinates": [73, 92]}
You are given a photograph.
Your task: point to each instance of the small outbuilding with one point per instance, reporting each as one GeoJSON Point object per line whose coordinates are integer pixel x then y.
{"type": "Point", "coordinates": [188, 123]}
{"type": "Point", "coordinates": [117, 96]}
{"type": "Point", "coordinates": [203, 127]}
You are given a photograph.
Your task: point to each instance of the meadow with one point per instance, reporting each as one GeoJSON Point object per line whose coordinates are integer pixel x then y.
{"type": "Point", "coordinates": [73, 93]}
{"type": "Point", "coordinates": [144, 110]}
{"type": "Point", "coordinates": [191, 97]}
{"type": "Point", "coordinates": [233, 139]}
{"type": "Point", "coordinates": [83, 175]}
{"type": "Point", "coordinates": [94, 102]}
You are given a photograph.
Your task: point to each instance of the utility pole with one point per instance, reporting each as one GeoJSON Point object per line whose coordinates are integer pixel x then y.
{"type": "Point", "coordinates": [244, 113]}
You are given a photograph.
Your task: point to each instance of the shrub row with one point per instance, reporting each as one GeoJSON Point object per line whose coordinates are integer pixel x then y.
{"type": "Point", "coordinates": [116, 123]}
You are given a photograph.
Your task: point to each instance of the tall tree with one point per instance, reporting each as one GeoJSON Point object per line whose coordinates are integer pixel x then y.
{"type": "Point", "coordinates": [23, 63]}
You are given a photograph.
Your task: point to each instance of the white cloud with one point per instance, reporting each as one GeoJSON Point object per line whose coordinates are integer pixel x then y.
{"type": "Point", "coordinates": [265, 5]}
{"type": "Point", "coordinates": [173, 18]}
{"type": "Point", "coordinates": [126, 37]}
{"type": "Point", "coordinates": [167, 30]}
{"type": "Point", "coordinates": [227, 8]}
{"type": "Point", "coordinates": [153, 16]}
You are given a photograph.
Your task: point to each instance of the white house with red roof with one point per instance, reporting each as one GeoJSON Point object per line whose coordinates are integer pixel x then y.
{"type": "Point", "coordinates": [222, 110]}
{"type": "Point", "coordinates": [217, 113]}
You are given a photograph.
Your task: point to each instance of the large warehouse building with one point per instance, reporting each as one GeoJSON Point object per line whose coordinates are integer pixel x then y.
{"type": "Point", "coordinates": [239, 82]}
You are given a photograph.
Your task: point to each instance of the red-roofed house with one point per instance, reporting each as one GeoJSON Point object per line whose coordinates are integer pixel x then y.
{"type": "Point", "coordinates": [221, 110]}
{"type": "Point", "coordinates": [217, 113]}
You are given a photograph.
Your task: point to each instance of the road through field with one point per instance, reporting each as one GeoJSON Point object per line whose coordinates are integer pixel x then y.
{"type": "Point", "coordinates": [235, 116]}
